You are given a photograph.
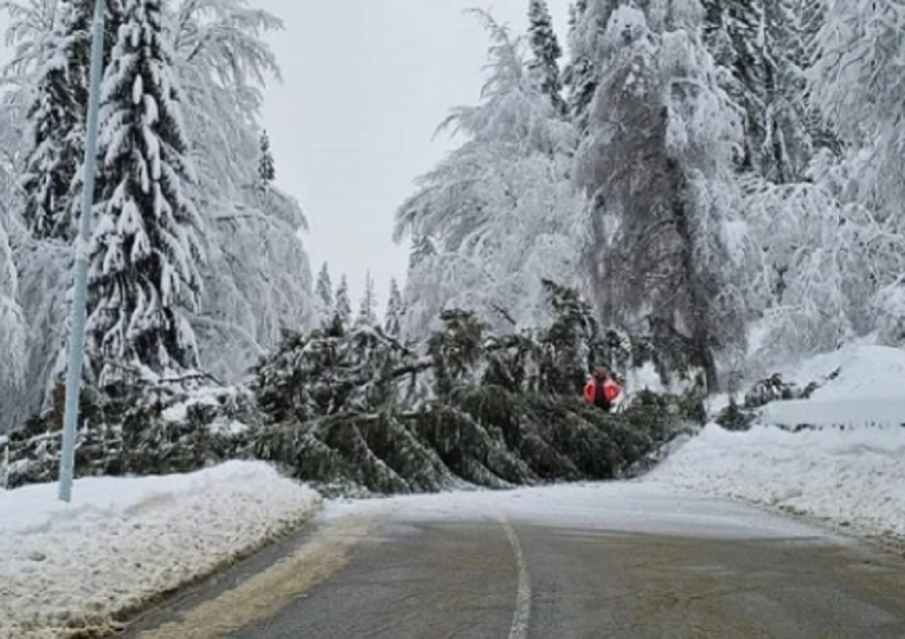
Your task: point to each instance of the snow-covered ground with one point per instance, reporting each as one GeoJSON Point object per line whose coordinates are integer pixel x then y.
{"type": "Point", "coordinates": [850, 471]}
{"type": "Point", "coordinates": [869, 389]}
{"type": "Point", "coordinates": [851, 478]}
{"type": "Point", "coordinates": [123, 541]}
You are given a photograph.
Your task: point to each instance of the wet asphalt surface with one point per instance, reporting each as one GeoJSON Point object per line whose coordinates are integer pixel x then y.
{"type": "Point", "coordinates": [554, 571]}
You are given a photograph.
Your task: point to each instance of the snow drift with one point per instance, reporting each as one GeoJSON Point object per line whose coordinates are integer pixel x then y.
{"type": "Point", "coordinates": [846, 469]}
{"type": "Point", "coordinates": [123, 542]}
{"type": "Point", "coordinates": [869, 389]}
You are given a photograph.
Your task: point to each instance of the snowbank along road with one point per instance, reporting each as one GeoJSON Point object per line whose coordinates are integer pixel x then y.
{"type": "Point", "coordinates": [604, 560]}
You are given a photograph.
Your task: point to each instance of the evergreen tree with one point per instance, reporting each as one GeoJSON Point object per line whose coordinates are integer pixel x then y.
{"type": "Point", "coordinates": [367, 309]}
{"type": "Point", "coordinates": [56, 123]}
{"type": "Point", "coordinates": [324, 291]}
{"type": "Point", "coordinates": [343, 308]}
{"type": "Point", "coordinates": [266, 168]}
{"type": "Point", "coordinates": [143, 275]}
{"type": "Point", "coordinates": [394, 311]}
{"type": "Point", "coordinates": [581, 75]}
{"type": "Point", "coordinates": [733, 34]}
{"type": "Point", "coordinates": [545, 47]}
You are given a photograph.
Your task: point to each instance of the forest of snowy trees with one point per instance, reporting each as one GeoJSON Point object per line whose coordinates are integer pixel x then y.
{"type": "Point", "coordinates": [713, 170]}
{"type": "Point", "coordinates": [711, 186]}
{"type": "Point", "coordinates": [195, 260]}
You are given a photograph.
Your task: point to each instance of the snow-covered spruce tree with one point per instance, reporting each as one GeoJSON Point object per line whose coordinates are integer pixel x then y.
{"type": "Point", "coordinates": [145, 248]}
{"type": "Point", "coordinates": [323, 291]}
{"type": "Point", "coordinates": [342, 304]}
{"type": "Point", "coordinates": [546, 52]}
{"type": "Point", "coordinates": [500, 211]}
{"type": "Point", "coordinates": [55, 112]}
{"type": "Point", "coordinates": [658, 169]}
{"type": "Point", "coordinates": [257, 280]}
{"type": "Point", "coordinates": [367, 307]}
{"type": "Point", "coordinates": [266, 169]}
{"type": "Point", "coordinates": [395, 310]}
{"type": "Point", "coordinates": [54, 68]}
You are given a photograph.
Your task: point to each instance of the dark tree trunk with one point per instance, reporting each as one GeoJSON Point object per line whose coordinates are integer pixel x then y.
{"type": "Point", "coordinates": [701, 337]}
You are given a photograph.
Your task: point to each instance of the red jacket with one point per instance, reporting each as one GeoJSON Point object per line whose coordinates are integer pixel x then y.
{"type": "Point", "coordinates": [609, 389]}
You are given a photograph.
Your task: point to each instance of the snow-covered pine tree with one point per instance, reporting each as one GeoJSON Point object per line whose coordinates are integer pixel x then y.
{"type": "Point", "coordinates": [145, 248]}
{"type": "Point", "coordinates": [323, 291]}
{"type": "Point", "coordinates": [395, 310]}
{"type": "Point", "coordinates": [343, 307]}
{"type": "Point", "coordinates": [266, 168]}
{"type": "Point", "coordinates": [367, 307]}
{"type": "Point", "coordinates": [547, 52]}
{"type": "Point", "coordinates": [54, 112]}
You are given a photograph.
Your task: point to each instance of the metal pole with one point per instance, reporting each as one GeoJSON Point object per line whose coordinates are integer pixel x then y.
{"type": "Point", "coordinates": [77, 333]}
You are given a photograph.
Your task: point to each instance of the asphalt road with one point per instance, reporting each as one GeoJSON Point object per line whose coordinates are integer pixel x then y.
{"type": "Point", "coordinates": [591, 562]}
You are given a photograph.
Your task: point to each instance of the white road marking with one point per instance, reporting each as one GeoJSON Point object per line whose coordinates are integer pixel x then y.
{"type": "Point", "coordinates": [519, 628]}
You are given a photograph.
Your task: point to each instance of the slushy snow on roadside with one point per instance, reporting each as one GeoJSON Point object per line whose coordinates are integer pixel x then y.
{"type": "Point", "coordinates": [123, 541]}
{"type": "Point", "coordinates": [846, 467]}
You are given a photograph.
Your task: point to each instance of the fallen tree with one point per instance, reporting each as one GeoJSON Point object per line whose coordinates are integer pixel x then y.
{"type": "Point", "coordinates": [352, 410]}
{"type": "Point", "coordinates": [472, 408]}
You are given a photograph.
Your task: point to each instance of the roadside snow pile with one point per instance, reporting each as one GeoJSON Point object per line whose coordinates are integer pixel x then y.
{"type": "Point", "coordinates": [868, 390]}
{"type": "Point", "coordinates": [849, 477]}
{"type": "Point", "coordinates": [848, 470]}
{"type": "Point", "coordinates": [122, 542]}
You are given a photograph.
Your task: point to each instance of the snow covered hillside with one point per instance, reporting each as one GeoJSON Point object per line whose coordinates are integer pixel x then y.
{"type": "Point", "coordinates": [847, 469]}
{"type": "Point", "coordinates": [121, 542]}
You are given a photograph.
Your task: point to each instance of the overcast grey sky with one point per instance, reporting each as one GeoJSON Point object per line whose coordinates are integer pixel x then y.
{"type": "Point", "coordinates": [365, 84]}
